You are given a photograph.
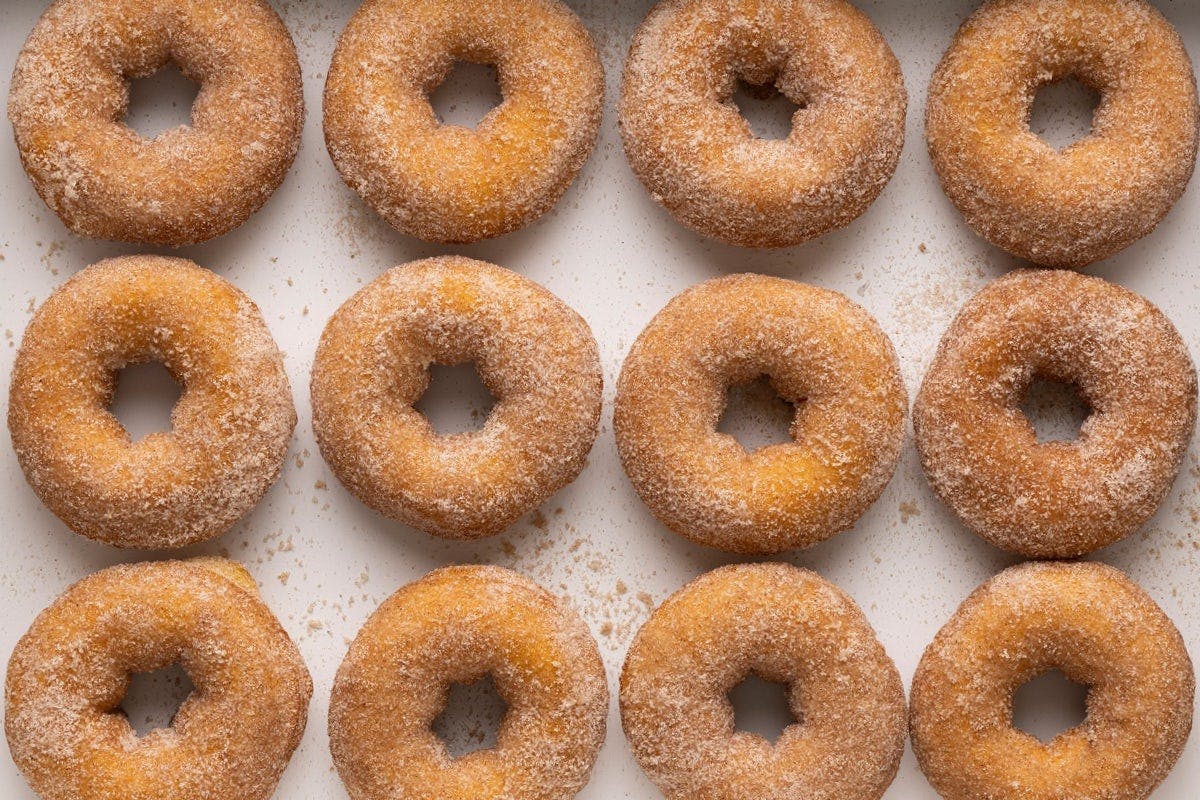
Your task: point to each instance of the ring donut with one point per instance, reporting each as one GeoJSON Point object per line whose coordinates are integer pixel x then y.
{"type": "Point", "coordinates": [1085, 202]}
{"type": "Point", "coordinates": [534, 354]}
{"type": "Point", "coordinates": [1099, 629]}
{"type": "Point", "coordinates": [823, 353]}
{"type": "Point", "coordinates": [697, 155]}
{"type": "Point", "coordinates": [786, 625]}
{"type": "Point", "coordinates": [456, 625]}
{"type": "Point", "coordinates": [70, 92]}
{"type": "Point", "coordinates": [231, 738]}
{"type": "Point", "coordinates": [981, 453]}
{"type": "Point", "coordinates": [230, 430]}
{"type": "Point", "coordinates": [448, 183]}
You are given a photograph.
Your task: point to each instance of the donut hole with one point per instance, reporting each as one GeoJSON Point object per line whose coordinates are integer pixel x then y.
{"type": "Point", "coordinates": [1063, 112]}
{"type": "Point", "coordinates": [769, 112]}
{"type": "Point", "coordinates": [160, 102]}
{"type": "Point", "coordinates": [469, 92]}
{"type": "Point", "coordinates": [1057, 410]}
{"type": "Point", "coordinates": [456, 400]}
{"type": "Point", "coordinates": [761, 707]}
{"type": "Point", "coordinates": [153, 699]}
{"type": "Point", "coordinates": [144, 399]}
{"type": "Point", "coordinates": [1049, 705]}
{"type": "Point", "coordinates": [755, 414]}
{"type": "Point", "coordinates": [472, 716]}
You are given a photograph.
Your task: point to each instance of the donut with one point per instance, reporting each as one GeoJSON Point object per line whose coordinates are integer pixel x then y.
{"type": "Point", "coordinates": [822, 353]}
{"type": "Point", "coordinates": [1056, 499]}
{"type": "Point", "coordinates": [1100, 630]}
{"type": "Point", "coordinates": [230, 430]}
{"type": "Point", "coordinates": [456, 625]}
{"type": "Point", "coordinates": [1087, 201]}
{"type": "Point", "coordinates": [447, 183]}
{"type": "Point", "coordinates": [696, 154]}
{"type": "Point", "coordinates": [533, 353]}
{"type": "Point", "coordinates": [786, 625]}
{"type": "Point", "coordinates": [231, 738]}
{"type": "Point", "coordinates": [70, 93]}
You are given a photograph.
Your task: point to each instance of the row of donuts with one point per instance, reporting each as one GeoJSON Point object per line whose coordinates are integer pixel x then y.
{"type": "Point", "coordinates": [822, 352]}
{"type": "Point", "coordinates": [683, 134]}
{"type": "Point", "coordinates": [233, 737]}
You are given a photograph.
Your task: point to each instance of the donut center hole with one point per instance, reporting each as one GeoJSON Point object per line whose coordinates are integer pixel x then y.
{"type": "Point", "coordinates": [144, 399]}
{"type": "Point", "coordinates": [755, 415]}
{"type": "Point", "coordinates": [472, 716]}
{"type": "Point", "coordinates": [468, 94]}
{"type": "Point", "coordinates": [769, 112]}
{"type": "Point", "coordinates": [456, 401]}
{"type": "Point", "coordinates": [1049, 705]}
{"type": "Point", "coordinates": [1056, 410]}
{"type": "Point", "coordinates": [761, 707]}
{"type": "Point", "coordinates": [153, 698]}
{"type": "Point", "coordinates": [1063, 112]}
{"type": "Point", "coordinates": [160, 102]}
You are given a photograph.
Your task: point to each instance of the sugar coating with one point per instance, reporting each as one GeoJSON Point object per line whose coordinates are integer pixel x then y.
{"type": "Point", "coordinates": [535, 355]}
{"type": "Point", "coordinates": [70, 92]}
{"type": "Point", "coordinates": [1069, 207]}
{"type": "Point", "coordinates": [455, 625]}
{"type": "Point", "coordinates": [1099, 629]}
{"type": "Point", "coordinates": [446, 183]}
{"type": "Point", "coordinates": [230, 429]}
{"type": "Point", "coordinates": [697, 156]}
{"type": "Point", "coordinates": [230, 740]}
{"type": "Point", "coordinates": [980, 452]}
{"type": "Point", "coordinates": [786, 625]}
{"type": "Point", "coordinates": [821, 352]}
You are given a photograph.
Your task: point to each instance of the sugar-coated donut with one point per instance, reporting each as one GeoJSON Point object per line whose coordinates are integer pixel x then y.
{"type": "Point", "coordinates": [1085, 202]}
{"type": "Point", "coordinates": [533, 353]}
{"type": "Point", "coordinates": [447, 183]}
{"type": "Point", "coordinates": [230, 430]}
{"type": "Point", "coordinates": [1056, 499]}
{"type": "Point", "coordinates": [786, 625]}
{"type": "Point", "coordinates": [822, 352]}
{"type": "Point", "coordinates": [70, 92]}
{"type": "Point", "coordinates": [231, 738]}
{"type": "Point", "coordinates": [697, 155]}
{"type": "Point", "coordinates": [1100, 630]}
{"type": "Point", "coordinates": [456, 625]}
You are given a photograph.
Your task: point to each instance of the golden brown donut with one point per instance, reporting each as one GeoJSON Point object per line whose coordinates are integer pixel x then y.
{"type": "Point", "coordinates": [446, 183]}
{"type": "Point", "coordinates": [697, 155]}
{"type": "Point", "coordinates": [1099, 629]}
{"type": "Point", "coordinates": [231, 738]}
{"type": "Point", "coordinates": [1069, 207]}
{"type": "Point", "coordinates": [456, 625]}
{"type": "Point", "coordinates": [786, 625]}
{"type": "Point", "coordinates": [534, 354]}
{"type": "Point", "coordinates": [822, 353]}
{"type": "Point", "coordinates": [70, 92]}
{"type": "Point", "coordinates": [980, 452]}
{"type": "Point", "coordinates": [230, 429]}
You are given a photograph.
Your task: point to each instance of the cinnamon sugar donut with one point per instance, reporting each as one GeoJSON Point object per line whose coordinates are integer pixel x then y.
{"type": "Point", "coordinates": [231, 738]}
{"type": "Point", "coordinates": [446, 183]}
{"type": "Point", "coordinates": [786, 625]}
{"type": "Point", "coordinates": [822, 353]}
{"type": "Point", "coordinates": [1056, 499]}
{"type": "Point", "coordinates": [534, 354]}
{"type": "Point", "coordinates": [456, 625]}
{"type": "Point", "coordinates": [1099, 629]}
{"type": "Point", "coordinates": [230, 429]}
{"type": "Point", "coordinates": [1085, 202]}
{"type": "Point", "coordinates": [698, 157]}
{"type": "Point", "coordinates": [70, 92]}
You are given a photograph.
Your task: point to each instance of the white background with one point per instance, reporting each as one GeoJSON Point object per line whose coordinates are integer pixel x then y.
{"type": "Point", "coordinates": [609, 252]}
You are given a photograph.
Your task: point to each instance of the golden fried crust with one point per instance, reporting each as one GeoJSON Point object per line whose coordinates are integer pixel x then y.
{"type": "Point", "coordinates": [230, 740]}
{"type": "Point", "coordinates": [821, 352]}
{"type": "Point", "coordinates": [1069, 207]}
{"type": "Point", "coordinates": [697, 156]}
{"type": "Point", "coordinates": [230, 429]}
{"type": "Point", "coordinates": [453, 626]}
{"type": "Point", "coordinates": [70, 92]}
{"type": "Point", "coordinates": [445, 183]}
{"type": "Point", "coordinates": [1098, 628]}
{"type": "Point", "coordinates": [980, 452]}
{"type": "Point", "coordinates": [534, 354]}
{"type": "Point", "coordinates": [786, 625]}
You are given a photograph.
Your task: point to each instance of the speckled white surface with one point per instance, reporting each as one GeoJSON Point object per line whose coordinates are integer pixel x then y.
{"type": "Point", "coordinates": [324, 561]}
